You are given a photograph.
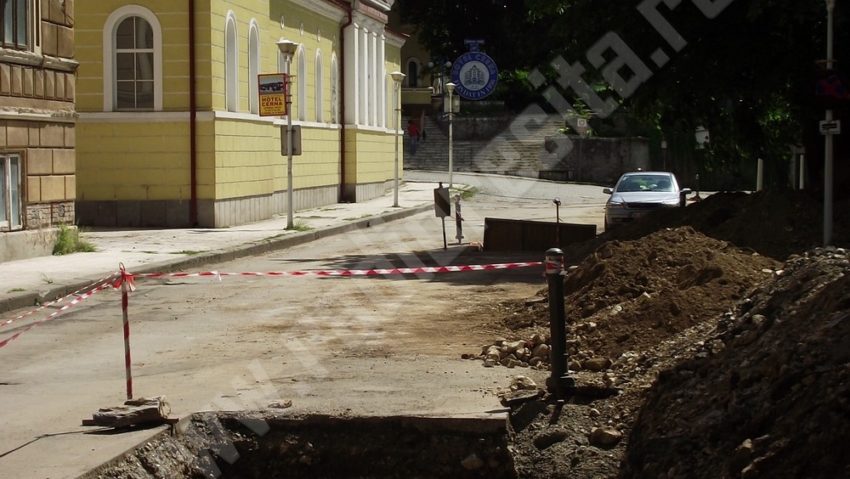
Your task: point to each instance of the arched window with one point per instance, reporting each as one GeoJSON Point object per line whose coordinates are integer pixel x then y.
{"type": "Point", "coordinates": [301, 84]}
{"type": "Point", "coordinates": [319, 87]}
{"type": "Point", "coordinates": [253, 66]}
{"type": "Point", "coordinates": [231, 63]}
{"type": "Point", "coordinates": [132, 59]}
{"type": "Point", "coordinates": [412, 77]}
{"type": "Point", "coordinates": [334, 89]}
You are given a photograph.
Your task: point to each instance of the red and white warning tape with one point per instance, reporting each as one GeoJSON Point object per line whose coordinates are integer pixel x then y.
{"type": "Point", "coordinates": [79, 299]}
{"type": "Point", "coordinates": [348, 272]}
{"type": "Point", "coordinates": [125, 281]}
{"type": "Point", "coordinates": [58, 301]}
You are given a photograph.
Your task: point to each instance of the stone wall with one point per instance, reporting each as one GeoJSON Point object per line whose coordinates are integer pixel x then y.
{"type": "Point", "coordinates": [37, 90]}
{"type": "Point", "coordinates": [37, 122]}
{"type": "Point", "coordinates": [597, 160]}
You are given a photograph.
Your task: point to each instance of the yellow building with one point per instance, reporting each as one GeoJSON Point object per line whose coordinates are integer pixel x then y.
{"type": "Point", "coordinates": [169, 132]}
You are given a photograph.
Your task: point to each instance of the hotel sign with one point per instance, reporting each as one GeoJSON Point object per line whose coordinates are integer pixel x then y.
{"type": "Point", "coordinates": [272, 92]}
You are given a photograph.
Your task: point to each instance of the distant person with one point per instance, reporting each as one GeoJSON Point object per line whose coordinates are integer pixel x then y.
{"type": "Point", "coordinates": [413, 131]}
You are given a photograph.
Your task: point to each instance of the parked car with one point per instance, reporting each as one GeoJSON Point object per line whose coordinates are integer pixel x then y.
{"type": "Point", "coordinates": [640, 192]}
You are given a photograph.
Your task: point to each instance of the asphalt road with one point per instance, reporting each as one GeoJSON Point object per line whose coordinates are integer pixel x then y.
{"type": "Point", "coordinates": [335, 345]}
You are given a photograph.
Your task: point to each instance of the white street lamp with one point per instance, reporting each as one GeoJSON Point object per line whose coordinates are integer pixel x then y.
{"type": "Point", "coordinates": [829, 149]}
{"type": "Point", "coordinates": [450, 87]}
{"type": "Point", "coordinates": [397, 79]}
{"type": "Point", "coordinates": [288, 49]}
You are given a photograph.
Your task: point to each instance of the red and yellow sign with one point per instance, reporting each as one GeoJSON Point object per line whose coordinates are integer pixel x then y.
{"type": "Point", "coordinates": [272, 92]}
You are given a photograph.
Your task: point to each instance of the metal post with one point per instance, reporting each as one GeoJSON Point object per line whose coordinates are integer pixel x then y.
{"type": "Point", "coordinates": [558, 382]}
{"type": "Point", "coordinates": [290, 214]}
{"type": "Point", "coordinates": [828, 166]}
{"type": "Point", "coordinates": [397, 128]}
{"type": "Point", "coordinates": [760, 174]}
{"type": "Point", "coordinates": [397, 79]}
{"type": "Point", "coordinates": [458, 221]}
{"type": "Point", "coordinates": [287, 49]}
{"type": "Point", "coordinates": [445, 244]}
{"type": "Point", "coordinates": [450, 87]}
{"type": "Point", "coordinates": [802, 176]}
{"type": "Point", "coordinates": [557, 202]}
{"type": "Point", "coordinates": [125, 303]}
{"type": "Point", "coordinates": [697, 188]}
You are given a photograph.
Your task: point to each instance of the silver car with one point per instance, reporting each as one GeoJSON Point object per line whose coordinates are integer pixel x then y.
{"type": "Point", "coordinates": [640, 192]}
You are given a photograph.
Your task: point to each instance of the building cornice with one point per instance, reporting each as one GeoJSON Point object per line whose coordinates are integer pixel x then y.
{"type": "Point", "coordinates": [204, 116]}
{"type": "Point", "coordinates": [62, 116]}
{"type": "Point", "coordinates": [396, 39]}
{"type": "Point", "coordinates": [38, 60]}
{"type": "Point", "coordinates": [325, 9]}
{"type": "Point", "coordinates": [367, 9]}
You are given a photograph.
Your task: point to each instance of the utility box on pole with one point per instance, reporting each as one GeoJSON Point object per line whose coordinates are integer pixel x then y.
{"type": "Point", "coordinates": [296, 140]}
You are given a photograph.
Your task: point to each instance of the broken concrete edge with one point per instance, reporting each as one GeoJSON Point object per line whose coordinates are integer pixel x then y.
{"type": "Point", "coordinates": [248, 249]}
{"type": "Point", "coordinates": [476, 423]}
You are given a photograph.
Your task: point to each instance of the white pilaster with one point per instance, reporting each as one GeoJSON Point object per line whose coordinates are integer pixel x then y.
{"type": "Point", "coordinates": [382, 82]}
{"type": "Point", "coordinates": [351, 81]}
{"type": "Point", "coordinates": [373, 85]}
{"type": "Point", "coordinates": [364, 76]}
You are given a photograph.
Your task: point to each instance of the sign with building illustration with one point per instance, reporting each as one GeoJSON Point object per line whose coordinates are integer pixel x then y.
{"type": "Point", "coordinates": [272, 92]}
{"type": "Point", "coordinates": [475, 73]}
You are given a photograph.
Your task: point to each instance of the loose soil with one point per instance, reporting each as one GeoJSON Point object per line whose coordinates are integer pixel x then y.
{"type": "Point", "coordinates": [724, 361]}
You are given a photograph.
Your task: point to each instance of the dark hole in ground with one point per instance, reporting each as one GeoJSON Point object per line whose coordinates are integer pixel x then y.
{"type": "Point", "coordinates": [261, 445]}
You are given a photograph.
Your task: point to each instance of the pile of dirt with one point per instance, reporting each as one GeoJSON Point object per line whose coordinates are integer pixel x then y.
{"type": "Point", "coordinates": [768, 394]}
{"type": "Point", "coordinates": [773, 223]}
{"type": "Point", "coordinates": [634, 309]}
{"type": "Point", "coordinates": [628, 296]}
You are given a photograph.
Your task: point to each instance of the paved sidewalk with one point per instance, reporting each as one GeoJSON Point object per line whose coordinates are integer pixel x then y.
{"type": "Point", "coordinates": [25, 282]}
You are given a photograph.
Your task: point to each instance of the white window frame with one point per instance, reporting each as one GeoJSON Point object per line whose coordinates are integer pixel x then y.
{"type": "Point", "coordinates": [301, 83]}
{"type": "Point", "coordinates": [6, 159]}
{"type": "Point", "coordinates": [110, 27]}
{"type": "Point", "coordinates": [231, 63]}
{"type": "Point", "coordinates": [253, 66]}
{"type": "Point", "coordinates": [319, 87]}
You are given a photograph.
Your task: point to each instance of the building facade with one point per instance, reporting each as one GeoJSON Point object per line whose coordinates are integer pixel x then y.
{"type": "Point", "coordinates": [37, 123]}
{"type": "Point", "coordinates": [169, 132]}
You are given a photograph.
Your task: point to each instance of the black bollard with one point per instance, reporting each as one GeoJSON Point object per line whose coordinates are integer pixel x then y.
{"type": "Point", "coordinates": [559, 383]}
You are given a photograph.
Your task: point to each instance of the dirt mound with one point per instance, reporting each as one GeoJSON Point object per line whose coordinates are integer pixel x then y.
{"type": "Point", "coordinates": [768, 395]}
{"type": "Point", "coordinates": [773, 223]}
{"type": "Point", "coordinates": [634, 308]}
{"type": "Point", "coordinates": [631, 295]}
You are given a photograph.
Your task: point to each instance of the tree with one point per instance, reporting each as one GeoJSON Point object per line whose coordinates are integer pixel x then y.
{"type": "Point", "coordinates": [744, 69]}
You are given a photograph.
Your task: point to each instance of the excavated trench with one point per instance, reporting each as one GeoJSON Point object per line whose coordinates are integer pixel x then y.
{"type": "Point", "coordinates": [268, 446]}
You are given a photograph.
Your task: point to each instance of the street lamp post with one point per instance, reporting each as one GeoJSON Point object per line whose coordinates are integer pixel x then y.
{"type": "Point", "coordinates": [397, 78]}
{"type": "Point", "coordinates": [450, 87]}
{"type": "Point", "coordinates": [287, 49]}
{"type": "Point", "coordinates": [829, 153]}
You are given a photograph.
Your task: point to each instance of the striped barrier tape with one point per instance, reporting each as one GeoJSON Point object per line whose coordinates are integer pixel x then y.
{"type": "Point", "coordinates": [128, 279]}
{"type": "Point", "coordinates": [344, 272]}
{"type": "Point", "coordinates": [79, 299]}
{"type": "Point", "coordinates": [58, 301]}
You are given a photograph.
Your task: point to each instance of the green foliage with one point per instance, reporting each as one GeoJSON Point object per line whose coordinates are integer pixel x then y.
{"type": "Point", "coordinates": [747, 75]}
{"type": "Point", "coordinates": [465, 192]}
{"type": "Point", "coordinates": [300, 226]}
{"type": "Point", "coordinates": [69, 241]}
